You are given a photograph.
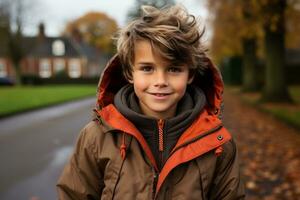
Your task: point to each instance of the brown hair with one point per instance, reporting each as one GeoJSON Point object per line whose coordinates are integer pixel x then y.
{"type": "Point", "coordinates": [173, 32]}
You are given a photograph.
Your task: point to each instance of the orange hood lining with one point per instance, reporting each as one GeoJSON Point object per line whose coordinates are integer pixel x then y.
{"type": "Point", "coordinates": [112, 80]}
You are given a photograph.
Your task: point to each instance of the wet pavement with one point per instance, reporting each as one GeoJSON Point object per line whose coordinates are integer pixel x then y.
{"type": "Point", "coordinates": [269, 152]}
{"type": "Point", "coordinates": [34, 147]}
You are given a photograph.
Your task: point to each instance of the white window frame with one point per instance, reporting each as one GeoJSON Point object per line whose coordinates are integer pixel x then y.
{"type": "Point", "coordinates": [3, 68]}
{"type": "Point", "coordinates": [74, 68]}
{"type": "Point", "coordinates": [58, 48]}
{"type": "Point", "coordinates": [45, 68]}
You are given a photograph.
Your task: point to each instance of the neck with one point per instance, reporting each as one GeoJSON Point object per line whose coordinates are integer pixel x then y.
{"type": "Point", "coordinates": [159, 115]}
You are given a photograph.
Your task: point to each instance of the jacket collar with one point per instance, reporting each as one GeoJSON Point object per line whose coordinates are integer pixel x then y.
{"type": "Point", "coordinates": [205, 134]}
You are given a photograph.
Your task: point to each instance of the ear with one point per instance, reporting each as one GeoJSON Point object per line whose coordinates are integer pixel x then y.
{"type": "Point", "coordinates": [128, 78]}
{"type": "Point", "coordinates": [191, 78]}
{"type": "Point", "coordinates": [130, 81]}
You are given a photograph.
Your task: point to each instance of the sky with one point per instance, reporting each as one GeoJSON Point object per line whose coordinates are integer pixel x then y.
{"type": "Point", "coordinates": [56, 13]}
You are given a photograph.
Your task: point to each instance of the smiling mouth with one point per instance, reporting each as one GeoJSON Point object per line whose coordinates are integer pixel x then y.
{"type": "Point", "coordinates": [160, 94]}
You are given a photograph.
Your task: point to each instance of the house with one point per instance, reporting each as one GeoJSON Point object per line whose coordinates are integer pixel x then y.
{"type": "Point", "coordinates": [46, 57]}
{"type": "Point", "coordinates": [92, 55]}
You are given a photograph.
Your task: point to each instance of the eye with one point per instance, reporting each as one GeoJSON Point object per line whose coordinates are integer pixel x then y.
{"type": "Point", "coordinates": [146, 68]}
{"type": "Point", "coordinates": [175, 69]}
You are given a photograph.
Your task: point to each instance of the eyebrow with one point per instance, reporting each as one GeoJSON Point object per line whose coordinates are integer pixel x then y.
{"type": "Point", "coordinates": [145, 63]}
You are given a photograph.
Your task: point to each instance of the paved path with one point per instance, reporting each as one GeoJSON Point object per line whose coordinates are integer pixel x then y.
{"type": "Point", "coordinates": [34, 147]}
{"type": "Point", "coordinates": [269, 152]}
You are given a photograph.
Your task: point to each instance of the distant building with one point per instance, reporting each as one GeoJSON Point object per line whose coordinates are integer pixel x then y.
{"type": "Point", "coordinates": [49, 56]}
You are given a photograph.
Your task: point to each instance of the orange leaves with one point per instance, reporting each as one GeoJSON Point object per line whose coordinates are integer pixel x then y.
{"type": "Point", "coordinates": [96, 28]}
{"type": "Point", "coordinates": [235, 20]}
{"type": "Point", "coordinates": [292, 16]}
{"type": "Point", "coordinates": [268, 151]}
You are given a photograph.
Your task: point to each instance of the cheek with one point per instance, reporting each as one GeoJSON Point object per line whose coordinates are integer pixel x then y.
{"type": "Point", "coordinates": [140, 84]}
{"type": "Point", "coordinates": [180, 85]}
{"type": "Point", "coordinates": [181, 89]}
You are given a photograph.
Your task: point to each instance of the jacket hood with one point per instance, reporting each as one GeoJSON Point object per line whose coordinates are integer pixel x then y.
{"type": "Point", "coordinates": [205, 133]}
{"type": "Point", "coordinates": [112, 80]}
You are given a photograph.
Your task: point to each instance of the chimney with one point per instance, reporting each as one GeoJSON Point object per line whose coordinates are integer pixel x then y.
{"type": "Point", "coordinates": [41, 35]}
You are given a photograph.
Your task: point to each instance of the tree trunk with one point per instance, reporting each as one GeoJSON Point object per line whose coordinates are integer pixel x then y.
{"type": "Point", "coordinates": [18, 81]}
{"type": "Point", "coordinates": [16, 54]}
{"type": "Point", "coordinates": [275, 84]}
{"type": "Point", "coordinates": [250, 77]}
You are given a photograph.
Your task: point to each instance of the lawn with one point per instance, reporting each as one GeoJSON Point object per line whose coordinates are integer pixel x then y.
{"type": "Point", "coordinates": [295, 92]}
{"type": "Point", "coordinates": [23, 98]}
{"type": "Point", "coordinates": [286, 112]}
{"type": "Point", "coordinates": [290, 113]}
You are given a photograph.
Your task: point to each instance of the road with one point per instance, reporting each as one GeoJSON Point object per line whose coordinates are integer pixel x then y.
{"type": "Point", "coordinates": [34, 147]}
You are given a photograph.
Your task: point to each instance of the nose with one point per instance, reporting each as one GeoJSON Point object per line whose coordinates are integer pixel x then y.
{"type": "Point", "coordinates": [160, 79]}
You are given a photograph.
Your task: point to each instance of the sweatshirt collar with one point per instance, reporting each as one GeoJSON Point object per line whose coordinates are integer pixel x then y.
{"type": "Point", "coordinates": [187, 109]}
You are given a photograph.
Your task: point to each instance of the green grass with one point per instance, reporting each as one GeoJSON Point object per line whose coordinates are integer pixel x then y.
{"type": "Point", "coordinates": [295, 92]}
{"type": "Point", "coordinates": [289, 114]}
{"type": "Point", "coordinates": [290, 117]}
{"type": "Point", "coordinates": [23, 98]}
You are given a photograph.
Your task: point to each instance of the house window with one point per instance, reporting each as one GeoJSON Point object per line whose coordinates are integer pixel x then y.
{"type": "Point", "coordinates": [58, 48]}
{"type": "Point", "coordinates": [3, 70]}
{"type": "Point", "coordinates": [45, 68]}
{"type": "Point", "coordinates": [74, 68]}
{"type": "Point", "coordinates": [59, 65]}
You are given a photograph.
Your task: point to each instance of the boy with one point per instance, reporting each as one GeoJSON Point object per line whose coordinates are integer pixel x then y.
{"type": "Point", "coordinates": [156, 134]}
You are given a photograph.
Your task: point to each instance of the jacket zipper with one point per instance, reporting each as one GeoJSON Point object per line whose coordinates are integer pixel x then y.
{"type": "Point", "coordinates": [155, 180]}
{"type": "Point", "coordinates": [160, 123]}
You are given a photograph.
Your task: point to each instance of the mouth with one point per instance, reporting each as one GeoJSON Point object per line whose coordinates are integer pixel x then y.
{"type": "Point", "coordinates": [160, 94]}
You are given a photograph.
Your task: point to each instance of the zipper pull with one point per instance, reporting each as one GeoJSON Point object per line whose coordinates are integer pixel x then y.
{"type": "Point", "coordinates": [161, 134]}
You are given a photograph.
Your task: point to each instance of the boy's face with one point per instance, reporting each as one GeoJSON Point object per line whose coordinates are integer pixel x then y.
{"type": "Point", "coordinates": [158, 85]}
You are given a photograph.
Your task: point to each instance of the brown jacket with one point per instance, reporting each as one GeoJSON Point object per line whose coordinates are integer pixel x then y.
{"type": "Point", "coordinates": [113, 161]}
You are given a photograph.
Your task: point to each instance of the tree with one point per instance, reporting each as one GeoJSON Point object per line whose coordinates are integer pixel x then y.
{"type": "Point", "coordinates": [12, 14]}
{"type": "Point", "coordinates": [258, 24]}
{"type": "Point", "coordinates": [4, 26]}
{"type": "Point", "coordinates": [136, 10]}
{"type": "Point", "coordinates": [236, 31]}
{"type": "Point", "coordinates": [292, 20]}
{"type": "Point", "coordinates": [274, 28]}
{"type": "Point", "coordinates": [225, 41]}
{"type": "Point", "coordinates": [249, 38]}
{"type": "Point", "coordinates": [95, 28]}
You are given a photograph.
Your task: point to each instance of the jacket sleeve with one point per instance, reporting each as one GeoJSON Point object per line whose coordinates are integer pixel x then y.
{"type": "Point", "coordinates": [227, 184]}
{"type": "Point", "coordinates": [82, 177]}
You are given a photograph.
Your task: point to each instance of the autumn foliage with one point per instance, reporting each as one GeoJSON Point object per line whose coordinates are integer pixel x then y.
{"type": "Point", "coordinates": [96, 28]}
{"type": "Point", "coordinates": [234, 20]}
